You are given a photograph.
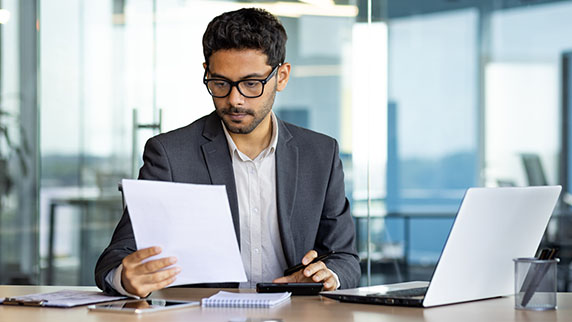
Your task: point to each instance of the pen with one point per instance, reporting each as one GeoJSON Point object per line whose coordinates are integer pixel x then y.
{"type": "Point", "coordinates": [532, 271]}
{"type": "Point", "coordinates": [537, 277]}
{"type": "Point", "coordinates": [295, 268]}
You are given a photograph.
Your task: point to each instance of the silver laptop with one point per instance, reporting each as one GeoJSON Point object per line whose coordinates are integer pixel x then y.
{"type": "Point", "coordinates": [492, 226]}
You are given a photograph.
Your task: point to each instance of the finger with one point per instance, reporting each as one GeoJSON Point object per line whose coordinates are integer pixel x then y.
{"type": "Point", "coordinates": [313, 268]}
{"type": "Point", "coordinates": [145, 289]}
{"type": "Point", "coordinates": [330, 284]}
{"type": "Point", "coordinates": [145, 253]}
{"type": "Point", "coordinates": [160, 276]}
{"type": "Point", "coordinates": [155, 265]}
{"type": "Point", "coordinates": [140, 255]}
{"type": "Point", "coordinates": [309, 257]}
{"type": "Point", "coordinates": [296, 277]}
{"type": "Point", "coordinates": [166, 283]}
{"type": "Point", "coordinates": [134, 276]}
{"type": "Point", "coordinates": [285, 279]}
{"type": "Point", "coordinates": [142, 285]}
{"type": "Point", "coordinates": [321, 275]}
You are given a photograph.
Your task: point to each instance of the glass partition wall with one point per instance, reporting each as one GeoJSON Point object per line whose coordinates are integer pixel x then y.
{"type": "Point", "coordinates": [18, 143]}
{"type": "Point", "coordinates": [426, 99]}
{"type": "Point", "coordinates": [123, 71]}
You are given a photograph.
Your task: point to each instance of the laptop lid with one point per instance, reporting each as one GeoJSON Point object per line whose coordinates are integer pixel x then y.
{"type": "Point", "coordinates": [492, 226]}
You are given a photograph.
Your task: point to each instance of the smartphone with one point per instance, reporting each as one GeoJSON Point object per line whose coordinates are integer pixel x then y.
{"type": "Point", "coordinates": [295, 288]}
{"type": "Point", "coordinates": [142, 306]}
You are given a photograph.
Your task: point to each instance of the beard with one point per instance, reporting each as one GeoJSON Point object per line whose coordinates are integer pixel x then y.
{"type": "Point", "coordinates": [243, 127]}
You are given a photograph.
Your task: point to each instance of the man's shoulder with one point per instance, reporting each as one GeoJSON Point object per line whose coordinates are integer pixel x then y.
{"type": "Point", "coordinates": [186, 134]}
{"type": "Point", "coordinates": [307, 137]}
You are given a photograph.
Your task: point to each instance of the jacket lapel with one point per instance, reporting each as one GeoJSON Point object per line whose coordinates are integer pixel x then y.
{"type": "Point", "coordinates": [286, 184]}
{"type": "Point", "coordinates": [219, 164]}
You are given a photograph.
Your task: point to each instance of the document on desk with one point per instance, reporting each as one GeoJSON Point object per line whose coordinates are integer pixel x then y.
{"type": "Point", "coordinates": [189, 221]}
{"type": "Point", "coordinates": [63, 298]}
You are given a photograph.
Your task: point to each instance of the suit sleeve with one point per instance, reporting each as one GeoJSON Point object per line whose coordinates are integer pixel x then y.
{"type": "Point", "coordinates": [336, 231]}
{"type": "Point", "coordinates": [155, 167]}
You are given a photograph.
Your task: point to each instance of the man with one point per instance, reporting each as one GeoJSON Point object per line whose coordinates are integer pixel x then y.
{"type": "Point", "coordinates": [284, 183]}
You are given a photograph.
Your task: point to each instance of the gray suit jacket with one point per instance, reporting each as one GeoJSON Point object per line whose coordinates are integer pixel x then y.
{"type": "Point", "coordinates": [313, 212]}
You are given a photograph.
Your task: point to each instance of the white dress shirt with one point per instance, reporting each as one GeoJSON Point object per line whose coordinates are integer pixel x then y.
{"type": "Point", "coordinates": [260, 244]}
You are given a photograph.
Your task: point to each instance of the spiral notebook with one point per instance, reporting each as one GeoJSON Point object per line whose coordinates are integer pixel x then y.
{"type": "Point", "coordinates": [230, 299]}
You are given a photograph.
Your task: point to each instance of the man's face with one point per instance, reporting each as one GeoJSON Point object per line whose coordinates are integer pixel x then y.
{"type": "Point", "coordinates": [242, 115]}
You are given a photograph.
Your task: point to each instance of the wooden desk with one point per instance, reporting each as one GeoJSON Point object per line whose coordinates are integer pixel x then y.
{"type": "Point", "coordinates": [312, 308]}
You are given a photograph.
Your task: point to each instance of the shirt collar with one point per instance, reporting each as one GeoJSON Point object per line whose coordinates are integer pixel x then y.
{"type": "Point", "coordinates": [267, 151]}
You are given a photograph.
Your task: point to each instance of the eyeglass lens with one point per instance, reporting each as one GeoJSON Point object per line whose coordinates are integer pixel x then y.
{"type": "Point", "coordinates": [248, 88]}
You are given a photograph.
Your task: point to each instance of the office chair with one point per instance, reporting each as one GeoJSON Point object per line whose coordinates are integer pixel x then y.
{"type": "Point", "coordinates": [534, 170]}
{"type": "Point", "coordinates": [562, 238]}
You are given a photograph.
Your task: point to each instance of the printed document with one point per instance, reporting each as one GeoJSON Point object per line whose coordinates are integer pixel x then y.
{"type": "Point", "coordinates": [63, 298]}
{"type": "Point", "coordinates": [189, 221]}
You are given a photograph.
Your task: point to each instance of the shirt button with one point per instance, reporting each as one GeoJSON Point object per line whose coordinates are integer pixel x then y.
{"type": "Point", "coordinates": [255, 210]}
{"type": "Point", "coordinates": [256, 250]}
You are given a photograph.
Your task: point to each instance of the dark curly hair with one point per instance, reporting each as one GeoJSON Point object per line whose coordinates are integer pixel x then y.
{"type": "Point", "coordinates": [249, 28]}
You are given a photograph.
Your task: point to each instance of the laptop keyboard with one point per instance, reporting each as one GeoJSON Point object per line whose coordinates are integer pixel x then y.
{"type": "Point", "coordinates": [418, 291]}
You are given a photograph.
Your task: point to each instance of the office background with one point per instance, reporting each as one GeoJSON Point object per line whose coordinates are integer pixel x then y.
{"type": "Point", "coordinates": [426, 98]}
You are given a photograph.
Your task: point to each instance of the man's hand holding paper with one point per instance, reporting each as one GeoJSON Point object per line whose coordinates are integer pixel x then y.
{"type": "Point", "coordinates": [141, 278]}
{"type": "Point", "coordinates": [187, 224]}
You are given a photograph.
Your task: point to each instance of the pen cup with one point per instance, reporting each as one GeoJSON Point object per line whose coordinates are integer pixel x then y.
{"type": "Point", "coordinates": [535, 284]}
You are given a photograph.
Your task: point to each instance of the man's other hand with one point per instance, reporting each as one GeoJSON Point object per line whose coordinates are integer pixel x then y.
{"type": "Point", "coordinates": [315, 272]}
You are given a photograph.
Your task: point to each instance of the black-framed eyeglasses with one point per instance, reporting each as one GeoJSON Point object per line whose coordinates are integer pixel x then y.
{"type": "Point", "coordinates": [251, 88]}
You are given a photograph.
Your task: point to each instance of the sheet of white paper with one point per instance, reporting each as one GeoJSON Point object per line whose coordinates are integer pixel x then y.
{"type": "Point", "coordinates": [189, 221]}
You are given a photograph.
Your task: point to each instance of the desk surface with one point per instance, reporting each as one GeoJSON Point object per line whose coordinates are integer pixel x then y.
{"type": "Point", "coordinates": [311, 308]}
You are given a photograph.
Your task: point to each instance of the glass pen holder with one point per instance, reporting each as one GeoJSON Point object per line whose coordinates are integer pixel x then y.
{"type": "Point", "coordinates": [535, 284]}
